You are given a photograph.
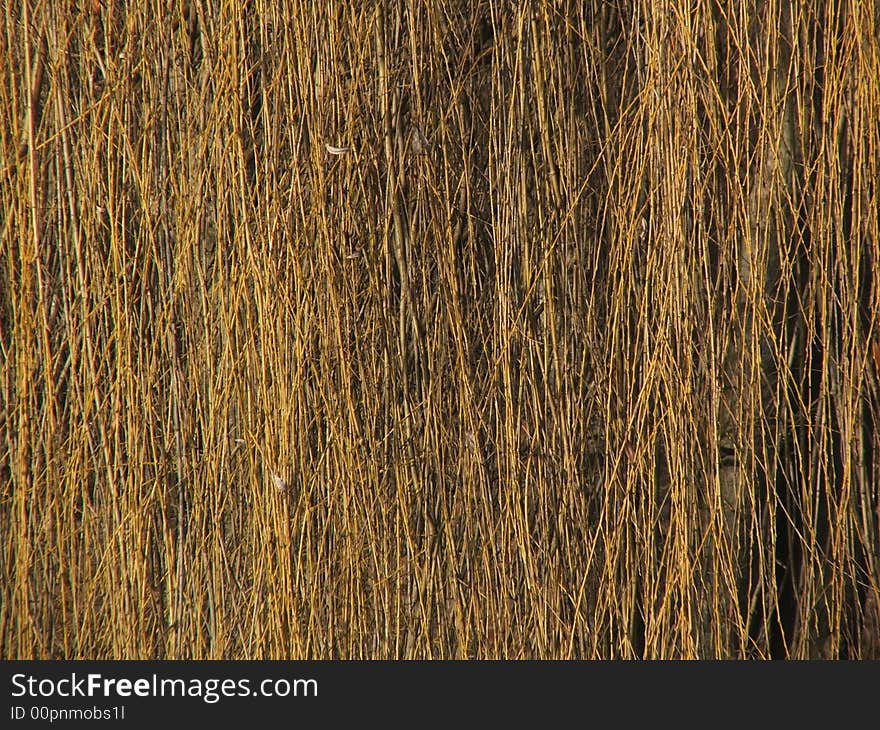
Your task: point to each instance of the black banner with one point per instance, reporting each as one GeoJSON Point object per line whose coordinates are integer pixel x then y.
{"type": "Point", "coordinates": [398, 694]}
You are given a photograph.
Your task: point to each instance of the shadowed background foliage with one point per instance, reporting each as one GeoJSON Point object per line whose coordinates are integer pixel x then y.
{"type": "Point", "coordinates": [571, 352]}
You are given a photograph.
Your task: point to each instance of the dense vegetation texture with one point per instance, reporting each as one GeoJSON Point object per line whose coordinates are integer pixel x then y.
{"type": "Point", "coordinates": [440, 330]}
